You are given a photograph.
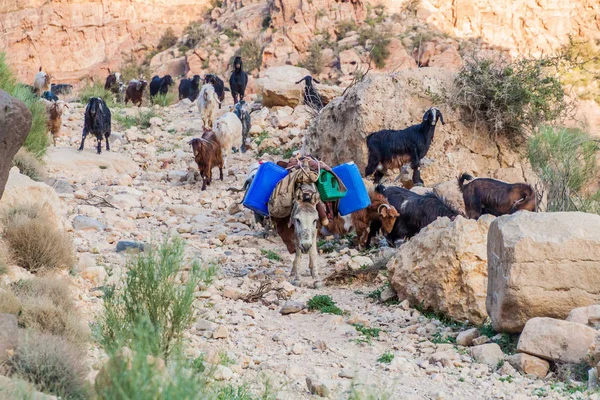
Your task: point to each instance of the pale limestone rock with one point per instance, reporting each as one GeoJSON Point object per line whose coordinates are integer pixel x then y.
{"type": "Point", "coordinates": [489, 354]}
{"type": "Point", "coordinates": [529, 365]}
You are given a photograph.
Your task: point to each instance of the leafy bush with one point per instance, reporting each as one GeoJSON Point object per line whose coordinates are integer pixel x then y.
{"type": "Point", "coordinates": [132, 69]}
{"type": "Point", "coordinates": [270, 255]}
{"type": "Point", "coordinates": [325, 304]}
{"type": "Point", "coordinates": [565, 160]}
{"type": "Point", "coordinates": [28, 164]}
{"type": "Point", "coordinates": [509, 97]}
{"type": "Point", "coordinates": [167, 40]}
{"type": "Point", "coordinates": [46, 306]}
{"type": "Point", "coordinates": [153, 299]}
{"type": "Point", "coordinates": [96, 90]}
{"type": "Point", "coordinates": [378, 43]}
{"type": "Point", "coordinates": [164, 100]}
{"type": "Point", "coordinates": [34, 242]}
{"type": "Point", "coordinates": [196, 34]}
{"type": "Point", "coordinates": [314, 59]}
{"type": "Point", "coordinates": [343, 27]}
{"type": "Point", "coordinates": [386, 358]}
{"type": "Point", "coordinates": [251, 52]}
{"type": "Point", "coordinates": [38, 140]}
{"type": "Point", "coordinates": [52, 364]}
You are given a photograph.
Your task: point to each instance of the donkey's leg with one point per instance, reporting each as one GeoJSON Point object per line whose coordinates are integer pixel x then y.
{"type": "Point", "coordinates": [294, 275]}
{"type": "Point", "coordinates": [312, 264]}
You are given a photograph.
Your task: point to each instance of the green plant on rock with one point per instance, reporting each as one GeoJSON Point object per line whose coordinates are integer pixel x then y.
{"type": "Point", "coordinates": [510, 98]}
{"type": "Point", "coordinates": [314, 59]}
{"type": "Point", "coordinates": [251, 52]}
{"type": "Point", "coordinates": [325, 304]}
{"type": "Point", "coordinates": [270, 255]}
{"type": "Point", "coordinates": [386, 357]}
{"type": "Point", "coordinates": [167, 40]}
{"type": "Point", "coordinates": [195, 33]}
{"type": "Point", "coordinates": [97, 90]}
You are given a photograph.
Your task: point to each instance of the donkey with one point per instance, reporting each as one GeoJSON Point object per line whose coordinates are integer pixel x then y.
{"type": "Point", "coordinates": [299, 231]}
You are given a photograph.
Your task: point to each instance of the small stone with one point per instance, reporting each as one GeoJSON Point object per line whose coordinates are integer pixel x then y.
{"type": "Point", "coordinates": [465, 338]}
{"type": "Point", "coordinates": [346, 373]}
{"type": "Point", "coordinates": [292, 307]}
{"type": "Point", "coordinates": [321, 345]}
{"type": "Point", "coordinates": [250, 312]}
{"type": "Point", "coordinates": [221, 332]}
{"type": "Point", "coordinates": [481, 340]}
{"type": "Point", "coordinates": [529, 365]}
{"type": "Point", "coordinates": [507, 369]}
{"type": "Point", "coordinates": [489, 354]}
{"type": "Point", "coordinates": [222, 373]}
{"type": "Point", "coordinates": [205, 325]}
{"type": "Point", "coordinates": [297, 349]}
{"type": "Point", "coordinates": [387, 294]}
{"type": "Point", "coordinates": [83, 223]}
{"type": "Point", "coordinates": [405, 305]}
{"type": "Point", "coordinates": [124, 245]}
{"type": "Point", "coordinates": [316, 387]}
{"type": "Point", "coordinates": [232, 293]}
{"type": "Point", "coordinates": [96, 275]}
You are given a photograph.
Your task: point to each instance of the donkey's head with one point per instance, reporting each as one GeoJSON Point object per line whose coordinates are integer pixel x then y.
{"type": "Point", "coordinates": [305, 216]}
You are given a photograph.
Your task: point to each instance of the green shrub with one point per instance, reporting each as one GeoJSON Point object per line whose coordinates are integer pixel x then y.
{"type": "Point", "coordinates": [270, 255]}
{"type": "Point", "coordinates": [141, 120]}
{"type": "Point", "coordinates": [314, 59]}
{"type": "Point", "coordinates": [52, 364]}
{"type": "Point", "coordinates": [325, 304]}
{"type": "Point", "coordinates": [195, 32]}
{"type": "Point", "coordinates": [343, 27]}
{"type": "Point", "coordinates": [46, 307]}
{"type": "Point", "coordinates": [167, 40]}
{"type": "Point", "coordinates": [38, 140]}
{"type": "Point", "coordinates": [251, 52]}
{"type": "Point", "coordinates": [379, 45]}
{"type": "Point", "coordinates": [34, 242]}
{"type": "Point", "coordinates": [565, 161]}
{"type": "Point", "coordinates": [386, 358]}
{"type": "Point", "coordinates": [509, 97]}
{"type": "Point", "coordinates": [96, 90]}
{"type": "Point", "coordinates": [132, 69]}
{"type": "Point", "coordinates": [152, 298]}
{"type": "Point", "coordinates": [164, 100]}
{"type": "Point", "coordinates": [28, 164]}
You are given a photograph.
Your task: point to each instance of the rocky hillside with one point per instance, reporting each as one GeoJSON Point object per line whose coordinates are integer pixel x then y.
{"type": "Point", "coordinates": [76, 39]}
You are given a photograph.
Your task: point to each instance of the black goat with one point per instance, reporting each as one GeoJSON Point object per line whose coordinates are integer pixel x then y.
{"type": "Point", "coordinates": [61, 88]}
{"type": "Point", "coordinates": [241, 110]}
{"type": "Point", "coordinates": [218, 85]}
{"type": "Point", "coordinates": [391, 148]}
{"type": "Point", "coordinates": [189, 88]}
{"type": "Point", "coordinates": [160, 85]}
{"type": "Point", "coordinates": [49, 96]}
{"type": "Point", "coordinates": [238, 80]}
{"type": "Point", "coordinates": [416, 211]}
{"type": "Point", "coordinates": [97, 122]}
{"type": "Point", "coordinates": [113, 82]}
{"type": "Point", "coordinates": [311, 97]}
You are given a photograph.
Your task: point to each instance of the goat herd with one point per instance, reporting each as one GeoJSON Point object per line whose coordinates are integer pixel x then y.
{"type": "Point", "coordinates": [395, 211]}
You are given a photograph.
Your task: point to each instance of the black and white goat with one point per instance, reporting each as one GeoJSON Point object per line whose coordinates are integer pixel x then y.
{"type": "Point", "coordinates": [415, 211]}
{"type": "Point", "coordinates": [61, 88]}
{"type": "Point", "coordinates": [160, 85]}
{"type": "Point", "coordinates": [218, 85]}
{"type": "Point", "coordinates": [242, 110]}
{"type": "Point", "coordinates": [394, 148]}
{"type": "Point", "coordinates": [97, 121]}
{"type": "Point", "coordinates": [311, 97]}
{"type": "Point", "coordinates": [238, 80]}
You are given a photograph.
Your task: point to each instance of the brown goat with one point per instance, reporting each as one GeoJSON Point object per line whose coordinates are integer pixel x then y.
{"type": "Point", "coordinates": [368, 221]}
{"type": "Point", "coordinates": [55, 111]}
{"type": "Point", "coordinates": [135, 92]}
{"type": "Point", "coordinates": [207, 154]}
{"type": "Point", "coordinates": [489, 196]}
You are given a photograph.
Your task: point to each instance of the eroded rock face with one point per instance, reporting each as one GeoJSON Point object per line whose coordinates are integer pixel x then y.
{"type": "Point", "coordinates": [398, 101]}
{"type": "Point", "coordinates": [87, 35]}
{"type": "Point", "coordinates": [556, 340]}
{"type": "Point", "coordinates": [541, 265]}
{"type": "Point", "coordinates": [15, 123]}
{"type": "Point", "coordinates": [452, 278]}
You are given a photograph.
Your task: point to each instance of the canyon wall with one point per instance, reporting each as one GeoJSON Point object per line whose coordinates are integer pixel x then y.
{"type": "Point", "coordinates": [74, 38]}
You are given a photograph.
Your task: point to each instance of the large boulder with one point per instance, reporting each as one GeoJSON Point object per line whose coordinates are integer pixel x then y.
{"type": "Point", "coordinates": [451, 278]}
{"type": "Point", "coordinates": [279, 88]}
{"type": "Point", "coordinates": [556, 340]}
{"type": "Point", "coordinates": [15, 124]}
{"type": "Point", "coordinates": [397, 101]}
{"type": "Point", "coordinates": [22, 190]}
{"type": "Point", "coordinates": [541, 265]}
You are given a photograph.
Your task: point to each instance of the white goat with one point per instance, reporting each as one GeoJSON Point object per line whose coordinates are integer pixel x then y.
{"type": "Point", "coordinates": [41, 83]}
{"type": "Point", "coordinates": [208, 104]}
{"type": "Point", "coordinates": [228, 129]}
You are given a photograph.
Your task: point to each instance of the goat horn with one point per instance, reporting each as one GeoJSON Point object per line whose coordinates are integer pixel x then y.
{"type": "Point", "coordinates": [383, 205]}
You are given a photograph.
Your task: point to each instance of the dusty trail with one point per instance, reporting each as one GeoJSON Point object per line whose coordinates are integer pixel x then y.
{"type": "Point", "coordinates": [253, 343]}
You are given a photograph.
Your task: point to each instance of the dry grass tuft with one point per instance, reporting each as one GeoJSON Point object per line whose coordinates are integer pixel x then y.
{"type": "Point", "coordinates": [29, 165]}
{"type": "Point", "coordinates": [46, 306]}
{"type": "Point", "coordinates": [34, 242]}
{"type": "Point", "coordinates": [52, 364]}
{"type": "Point", "coordinates": [9, 303]}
